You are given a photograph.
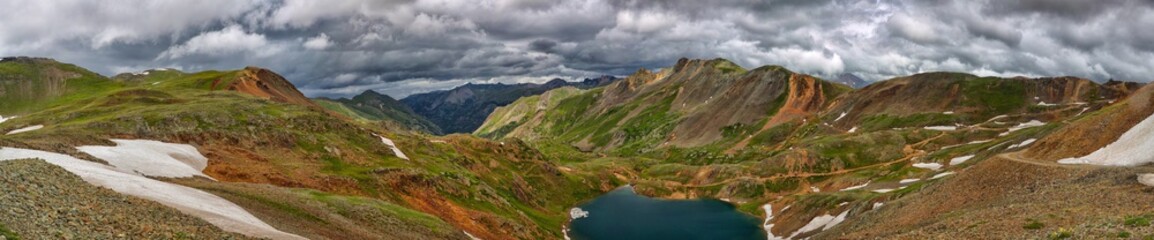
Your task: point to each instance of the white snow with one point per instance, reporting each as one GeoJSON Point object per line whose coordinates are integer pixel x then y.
{"type": "Point", "coordinates": [1146, 179]}
{"type": "Point", "coordinates": [856, 187]}
{"type": "Point", "coordinates": [941, 175]}
{"type": "Point", "coordinates": [878, 205]}
{"type": "Point", "coordinates": [1135, 147]}
{"type": "Point", "coordinates": [908, 181]}
{"type": "Point", "coordinates": [840, 116]}
{"type": "Point", "coordinates": [979, 141]}
{"type": "Point", "coordinates": [392, 146]}
{"type": "Point", "coordinates": [1023, 143]}
{"type": "Point", "coordinates": [1030, 124]}
{"type": "Point", "coordinates": [575, 213]}
{"type": "Point", "coordinates": [942, 128]}
{"type": "Point", "coordinates": [960, 160]}
{"type": "Point", "coordinates": [1044, 104]}
{"type": "Point", "coordinates": [213, 209]}
{"type": "Point", "coordinates": [151, 158]}
{"type": "Point", "coordinates": [929, 166]}
{"type": "Point", "coordinates": [948, 112]}
{"type": "Point", "coordinates": [475, 238]}
{"type": "Point", "coordinates": [815, 189]}
{"type": "Point", "coordinates": [26, 129]}
{"type": "Point", "coordinates": [768, 223]}
{"type": "Point", "coordinates": [3, 119]}
{"type": "Point", "coordinates": [823, 222]}
{"type": "Point", "coordinates": [884, 190]}
{"type": "Point", "coordinates": [852, 130]}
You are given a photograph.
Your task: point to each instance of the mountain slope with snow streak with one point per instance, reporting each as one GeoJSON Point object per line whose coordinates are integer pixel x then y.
{"type": "Point", "coordinates": [218, 211]}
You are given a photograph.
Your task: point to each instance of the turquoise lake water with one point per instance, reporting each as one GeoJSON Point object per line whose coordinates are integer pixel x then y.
{"type": "Point", "coordinates": [622, 214]}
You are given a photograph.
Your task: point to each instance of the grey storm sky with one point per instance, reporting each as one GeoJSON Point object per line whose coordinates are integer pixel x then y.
{"type": "Point", "coordinates": [400, 47]}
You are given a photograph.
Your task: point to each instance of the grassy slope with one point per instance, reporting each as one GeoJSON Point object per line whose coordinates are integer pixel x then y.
{"type": "Point", "coordinates": [881, 150]}
{"type": "Point", "coordinates": [256, 140]}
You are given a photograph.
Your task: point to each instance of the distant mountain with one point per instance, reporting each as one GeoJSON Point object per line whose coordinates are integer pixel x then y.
{"type": "Point", "coordinates": [463, 109]}
{"type": "Point", "coordinates": [851, 80]}
{"type": "Point", "coordinates": [373, 106]}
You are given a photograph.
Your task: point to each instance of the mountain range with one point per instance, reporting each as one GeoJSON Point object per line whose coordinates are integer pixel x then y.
{"type": "Point", "coordinates": [927, 156]}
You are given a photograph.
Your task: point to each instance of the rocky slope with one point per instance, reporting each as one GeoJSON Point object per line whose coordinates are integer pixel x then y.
{"type": "Point", "coordinates": [45, 201]}
{"type": "Point", "coordinates": [463, 109]}
{"type": "Point", "coordinates": [694, 103]}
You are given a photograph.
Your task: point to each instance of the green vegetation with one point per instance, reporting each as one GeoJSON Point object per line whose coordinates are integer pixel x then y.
{"type": "Point", "coordinates": [1061, 233]}
{"type": "Point", "coordinates": [1137, 221]}
{"type": "Point", "coordinates": [8, 234]}
{"type": "Point", "coordinates": [1033, 224]}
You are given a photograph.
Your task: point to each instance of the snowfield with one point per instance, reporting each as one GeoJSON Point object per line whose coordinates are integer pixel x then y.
{"type": "Point", "coordinates": [928, 166]}
{"type": "Point", "coordinates": [575, 213]}
{"type": "Point", "coordinates": [392, 146]}
{"type": "Point", "coordinates": [26, 129]}
{"type": "Point", "coordinates": [823, 222]}
{"type": "Point", "coordinates": [1025, 125]}
{"type": "Point", "coordinates": [960, 160]}
{"type": "Point", "coordinates": [768, 223]}
{"type": "Point", "coordinates": [213, 209]}
{"type": "Point", "coordinates": [151, 158]}
{"type": "Point", "coordinates": [1146, 179]}
{"type": "Point", "coordinates": [1023, 143]}
{"type": "Point", "coordinates": [1135, 147]}
{"type": "Point", "coordinates": [942, 175]}
{"type": "Point", "coordinates": [863, 185]}
{"type": "Point", "coordinates": [942, 128]}
{"type": "Point", "coordinates": [3, 119]}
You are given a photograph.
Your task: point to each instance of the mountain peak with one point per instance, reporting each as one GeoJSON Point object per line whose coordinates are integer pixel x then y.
{"type": "Point", "coordinates": [265, 83]}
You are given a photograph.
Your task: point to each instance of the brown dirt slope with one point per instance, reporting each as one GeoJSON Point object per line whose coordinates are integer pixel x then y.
{"type": "Point", "coordinates": [1095, 130]}
{"type": "Point", "coordinates": [265, 83]}
{"type": "Point", "coordinates": [1025, 194]}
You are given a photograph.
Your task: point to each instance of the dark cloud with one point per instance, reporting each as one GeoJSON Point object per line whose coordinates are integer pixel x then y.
{"type": "Point", "coordinates": [405, 46]}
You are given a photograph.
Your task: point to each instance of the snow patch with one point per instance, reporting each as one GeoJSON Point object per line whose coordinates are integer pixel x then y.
{"type": "Point", "coordinates": [474, 237]}
{"type": "Point", "coordinates": [1023, 144]}
{"type": "Point", "coordinates": [878, 205]}
{"type": "Point", "coordinates": [151, 158]}
{"type": "Point", "coordinates": [840, 116]}
{"type": "Point", "coordinates": [213, 209]}
{"type": "Point", "coordinates": [1146, 179]}
{"type": "Point", "coordinates": [1135, 147]}
{"type": "Point", "coordinates": [863, 185]}
{"type": "Point", "coordinates": [815, 189]}
{"type": "Point", "coordinates": [929, 166]}
{"type": "Point", "coordinates": [26, 129]}
{"type": "Point", "coordinates": [960, 160]}
{"type": "Point", "coordinates": [823, 222]}
{"type": "Point", "coordinates": [942, 128]}
{"type": "Point", "coordinates": [768, 223]}
{"type": "Point", "coordinates": [852, 130]}
{"type": "Point", "coordinates": [948, 112]}
{"type": "Point", "coordinates": [575, 213]}
{"type": "Point", "coordinates": [1030, 124]}
{"type": "Point", "coordinates": [941, 175]}
{"type": "Point", "coordinates": [392, 146]}
{"type": "Point", "coordinates": [908, 181]}
{"type": "Point", "coordinates": [3, 119]}
{"type": "Point", "coordinates": [1044, 104]}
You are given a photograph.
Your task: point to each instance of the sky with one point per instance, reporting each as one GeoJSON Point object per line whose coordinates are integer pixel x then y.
{"type": "Point", "coordinates": [402, 47]}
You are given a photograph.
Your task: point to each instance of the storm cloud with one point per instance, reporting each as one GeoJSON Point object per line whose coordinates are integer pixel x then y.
{"type": "Point", "coordinates": [401, 47]}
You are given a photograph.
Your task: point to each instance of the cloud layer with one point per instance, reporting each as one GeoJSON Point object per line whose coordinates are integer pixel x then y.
{"type": "Point", "coordinates": [340, 48]}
